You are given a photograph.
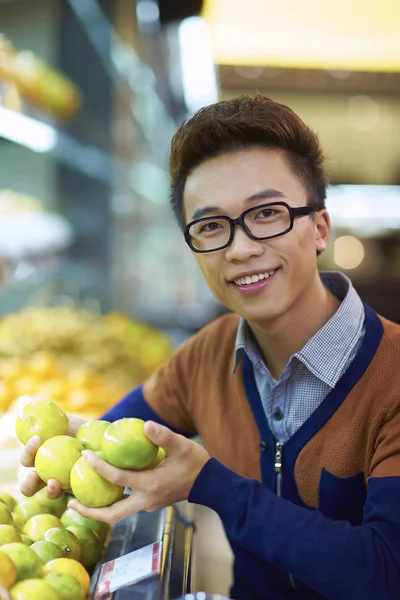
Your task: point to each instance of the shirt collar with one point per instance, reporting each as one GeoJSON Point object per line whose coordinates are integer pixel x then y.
{"type": "Point", "coordinates": [326, 353]}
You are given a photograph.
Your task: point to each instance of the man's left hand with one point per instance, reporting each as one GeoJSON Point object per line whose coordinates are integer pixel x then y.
{"type": "Point", "coordinates": [152, 489]}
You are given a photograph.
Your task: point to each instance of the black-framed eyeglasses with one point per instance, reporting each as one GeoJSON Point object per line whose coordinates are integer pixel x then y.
{"type": "Point", "coordinates": [262, 222]}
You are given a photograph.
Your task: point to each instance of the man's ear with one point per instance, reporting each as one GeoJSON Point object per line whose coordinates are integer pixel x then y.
{"type": "Point", "coordinates": [322, 230]}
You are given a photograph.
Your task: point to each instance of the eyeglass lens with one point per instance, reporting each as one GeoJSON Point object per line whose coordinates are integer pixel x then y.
{"type": "Point", "coordinates": [262, 222]}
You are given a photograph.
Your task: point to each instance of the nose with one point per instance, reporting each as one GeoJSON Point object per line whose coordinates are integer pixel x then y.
{"type": "Point", "coordinates": [243, 247]}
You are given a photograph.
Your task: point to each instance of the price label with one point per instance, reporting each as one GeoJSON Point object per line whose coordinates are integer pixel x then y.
{"type": "Point", "coordinates": [128, 570]}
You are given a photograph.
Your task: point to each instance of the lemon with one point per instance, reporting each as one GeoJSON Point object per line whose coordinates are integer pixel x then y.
{"type": "Point", "coordinates": [55, 507]}
{"type": "Point", "coordinates": [65, 540]}
{"type": "Point", "coordinates": [8, 500]}
{"type": "Point", "coordinates": [125, 445]}
{"type": "Point", "coordinates": [33, 589]}
{"type": "Point", "coordinates": [66, 586]}
{"type": "Point", "coordinates": [47, 551]}
{"type": "Point", "coordinates": [5, 515]}
{"type": "Point", "coordinates": [158, 459]}
{"type": "Point", "coordinates": [91, 545]}
{"type": "Point", "coordinates": [29, 507]}
{"type": "Point", "coordinates": [39, 524]}
{"type": "Point", "coordinates": [40, 417]}
{"type": "Point", "coordinates": [72, 517]}
{"type": "Point", "coordinates": [91, 488]}
{"type": "Point", "coordinates": [9, 534]}
{"type": "Point", "coordinates": [8, 572]}
{"type": "Point", "coordinates": [91, 434]}
{"type": "Point", "coordinates": [70, 567]}
{"type": "Point", "coordinates": [26, 540]}
{"type": "Point", "coordinates": [27, 563]}
{"type": "Point", "coordinates": [56, 457]}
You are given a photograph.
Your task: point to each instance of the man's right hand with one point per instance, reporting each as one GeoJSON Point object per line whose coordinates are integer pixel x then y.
{"type": "Point", "coordinates": [32, 482]}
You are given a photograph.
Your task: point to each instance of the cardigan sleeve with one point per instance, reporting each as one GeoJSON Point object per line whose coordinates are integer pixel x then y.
{"type": "Point", "coordinates": [333, 558]}
{"type": "Point", "coordinates": [135, 405]}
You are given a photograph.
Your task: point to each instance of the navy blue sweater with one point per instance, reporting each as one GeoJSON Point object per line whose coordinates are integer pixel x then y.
{"type": "Point", "coordinates": [348, 549]}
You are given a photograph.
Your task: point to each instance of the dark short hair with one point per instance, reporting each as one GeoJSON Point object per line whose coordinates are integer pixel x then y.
{"type": "Point", "coordinates": [245, 122]}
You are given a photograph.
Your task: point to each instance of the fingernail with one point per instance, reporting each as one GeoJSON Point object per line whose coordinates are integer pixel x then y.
{"type": "Point", "coordinates": [152, 428]}
{"type": "Point", "coordinates": [35, 439]}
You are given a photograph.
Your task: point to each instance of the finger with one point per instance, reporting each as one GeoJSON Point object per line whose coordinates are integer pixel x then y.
{"type": "Point", "coordinates": [109, 514]}
{"type": "Point", "coordinates": [54, 489]}
{"type": "Point", "coordinates": [124, 477]}
{"type": "Point", "coordinates": [29, 452]}
{"type": "Point", "coordinates": [162, 436]}
{"type": "Point", "coordinates": [74, 423]}
{"type": "Point", "coordinates": [31, 484]}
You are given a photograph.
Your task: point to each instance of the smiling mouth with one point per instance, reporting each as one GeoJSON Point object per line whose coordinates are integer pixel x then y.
{"type": "Point", "coordinates": [252, 279]}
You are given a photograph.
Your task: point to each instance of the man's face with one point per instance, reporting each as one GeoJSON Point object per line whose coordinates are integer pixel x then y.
{"type": "Point", "coordinates": [225, 184]}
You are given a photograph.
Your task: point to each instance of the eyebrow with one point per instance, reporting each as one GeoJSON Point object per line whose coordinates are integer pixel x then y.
{"type": "Point", "coordinates": [270, 193]}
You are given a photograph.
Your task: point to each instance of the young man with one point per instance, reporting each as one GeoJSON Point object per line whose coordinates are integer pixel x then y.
{"type": "Point", "coordinates": [296, 395]}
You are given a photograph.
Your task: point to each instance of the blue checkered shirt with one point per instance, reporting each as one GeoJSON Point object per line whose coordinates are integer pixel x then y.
{"type": "Point", "coordinates": [313, 371]}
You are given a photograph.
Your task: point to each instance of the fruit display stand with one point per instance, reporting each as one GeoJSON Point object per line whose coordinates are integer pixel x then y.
{"type": "Point", "coordinates": [148, 557]}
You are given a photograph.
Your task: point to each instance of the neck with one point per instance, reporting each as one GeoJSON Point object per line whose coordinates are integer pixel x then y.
{"type": "Point", "coordinates": [282, 337]}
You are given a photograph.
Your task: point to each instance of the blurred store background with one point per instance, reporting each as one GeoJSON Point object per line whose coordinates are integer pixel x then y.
{"type": "Point", "coordinates": [91, 92]}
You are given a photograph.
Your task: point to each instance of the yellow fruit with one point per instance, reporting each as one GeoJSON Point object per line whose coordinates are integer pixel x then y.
{"type": "Point", "coordinates": [43, 418]}
{"type": "Point", "coordinates": [77, 400]}
{"type": "Point", "coordinates": [91, 545]}
{"type": "Point", "coordinates": [91, 488]}
{"type": "Point", "coordinates": [158, 459]}
{"type": "Point", "coordinates": [65, 540]}
{"type": "Point", "coordinates": [52, 390]}
{"type": "Point", "coordinates": [8, 500]}
{"type": "Point", "coordinates": [8, 572]}
{"type": "Point", "coordinates": [91, 434]}
{"type": "Point", "coordinates": [29, 507]}
{"type": "Point", "coordinates": [27, 563]}
{"type": "Point", "coordinates": [11, 369]}
{"type": "Point", "coordinates": [80, 378]}
{"type": "Point", "coordinates": [126, 445]}
{"type": "Point", "coordinates": [5, 515]}
{"type": "Point", "coordinates": [56, 457]}
{"type": "Point", "coordinates": [71, 517]}
{"type": "Point", "coordinates": [66, 586]}
{"type": "Point", "coordinates": [26, 540]}
{"type": "Point", "coordinates": [43, 365]}
{"type": "Point", "coordinates": [18, 519]}
{"type": "Point", "coordinates": [25, 385]}
{"type": "Point", "coordinates": [33, 589]}
{"type": "Point", "coordinates": [9, 534]}
{"type": "Point", "coordinates": [47, 551]}
{"type": "Point", "coordinates": [55, 507]}
{"type": "Point", "coordinates": [69, 566]}
{"type": "Point", "coordinates": [39, 524]}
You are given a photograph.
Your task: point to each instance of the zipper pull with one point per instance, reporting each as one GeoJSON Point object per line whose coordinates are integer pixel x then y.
{"type": "Point", "coordinates": [278, 457]}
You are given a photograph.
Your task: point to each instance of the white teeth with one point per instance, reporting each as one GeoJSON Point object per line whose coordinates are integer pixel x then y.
{"type": "Point", "coordinates": [253, 278]}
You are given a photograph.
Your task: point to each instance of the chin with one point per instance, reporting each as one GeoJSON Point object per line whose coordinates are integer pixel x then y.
{"type": "Point", "coordinates": [259, 315]}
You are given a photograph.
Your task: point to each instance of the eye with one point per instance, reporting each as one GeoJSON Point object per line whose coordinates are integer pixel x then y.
{"type": "Point", "coordinates": [266, 213]}
{"type": "Point", "coordinates": [210, 227]}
